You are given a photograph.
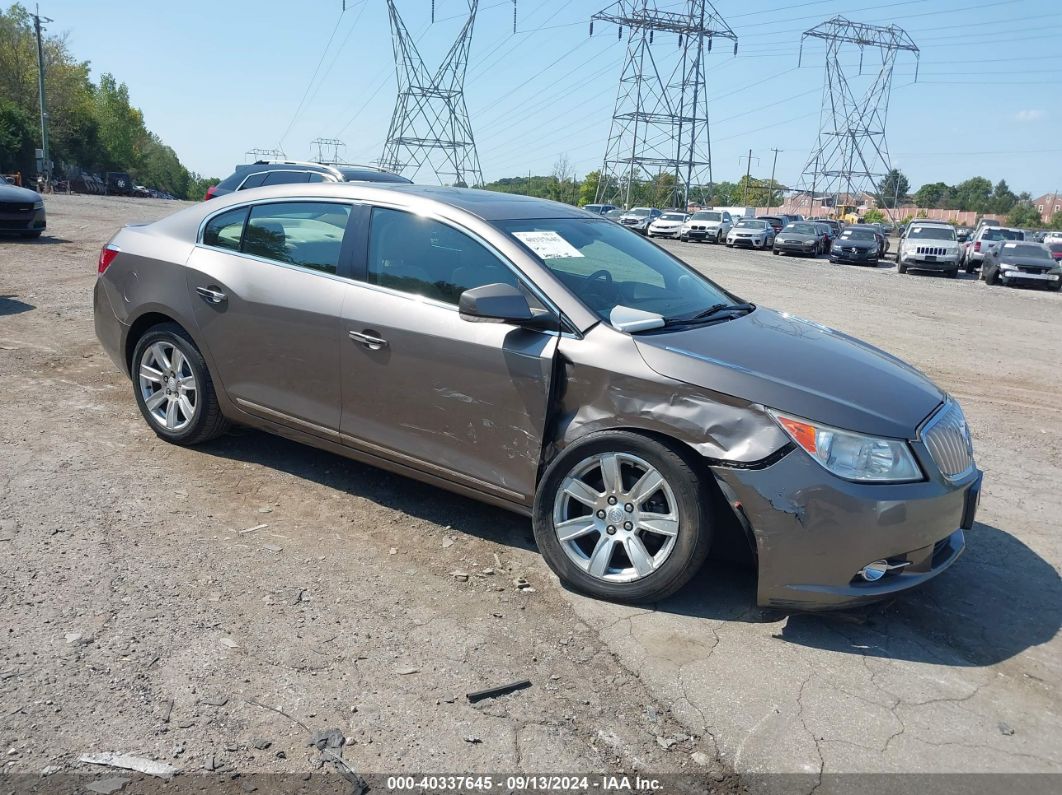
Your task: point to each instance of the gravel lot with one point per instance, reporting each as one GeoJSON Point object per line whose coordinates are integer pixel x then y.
{"type": "Point", "coordinates": [145, 614]}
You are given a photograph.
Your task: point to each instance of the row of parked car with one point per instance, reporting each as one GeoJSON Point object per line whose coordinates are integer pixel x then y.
{"type": "Point", "coordinates": [1003, 255]}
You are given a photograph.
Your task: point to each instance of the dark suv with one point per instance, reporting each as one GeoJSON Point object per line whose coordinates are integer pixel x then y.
{"type": "Point", "coordinates": [280, 172]}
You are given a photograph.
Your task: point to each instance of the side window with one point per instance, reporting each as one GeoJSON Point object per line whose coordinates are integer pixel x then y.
{"type": "Point", "coordinates": [313, 176]}
{"type": "Point", "coordinates": [308, 234]}
{"type": "Point", "coordinates": [254, 180]}
{"type": "Point", "coordinates": [418, 255]}
{"type": "Point", "coordinates": [285, 177]}
{"type": "Point", "coordinates": [226, 229]}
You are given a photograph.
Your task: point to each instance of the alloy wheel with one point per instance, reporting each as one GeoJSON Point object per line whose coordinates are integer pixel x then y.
{"type": "Point", "coordinates": [616, 517]}
{"type": "Point", "coordinates": [168, 386]}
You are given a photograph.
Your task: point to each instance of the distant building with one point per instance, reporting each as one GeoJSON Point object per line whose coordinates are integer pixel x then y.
{"type": "Point", "coordinates": [1048, 205]}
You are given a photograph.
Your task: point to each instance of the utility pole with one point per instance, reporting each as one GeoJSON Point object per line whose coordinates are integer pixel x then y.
{"type": "Point", "coordinates": [770, 190]}
{"type": "Point", "coordinates": [748, 174]}
{"type": "Point", "coordinates": [37, 20]}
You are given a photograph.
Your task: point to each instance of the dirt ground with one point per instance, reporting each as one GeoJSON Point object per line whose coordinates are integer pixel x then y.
{"type": "Point", "coordinates": [212, 608]}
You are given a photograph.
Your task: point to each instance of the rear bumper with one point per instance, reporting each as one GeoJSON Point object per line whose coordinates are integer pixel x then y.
{"type": "Point", "coordinates": [815, 532]}
{"type": "Point", "coordinates": [110, 331]}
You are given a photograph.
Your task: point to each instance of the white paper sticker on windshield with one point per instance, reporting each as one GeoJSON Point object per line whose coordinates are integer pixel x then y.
{"type": "Point", "coordinates": [918, 229]}
{"type": "Point", "coordinates": [548, 244]}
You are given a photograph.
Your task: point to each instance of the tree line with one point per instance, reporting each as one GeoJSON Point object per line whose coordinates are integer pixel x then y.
{"type": "Point", "coordinates": [91, 126]}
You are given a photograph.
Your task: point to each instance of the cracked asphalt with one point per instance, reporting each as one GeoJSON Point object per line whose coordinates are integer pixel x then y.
{"type": "Point", "coordinates": [185, 604]}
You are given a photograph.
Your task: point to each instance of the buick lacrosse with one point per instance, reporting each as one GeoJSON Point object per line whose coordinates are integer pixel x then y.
{"type": "Point", "coordinates": [546, 360]}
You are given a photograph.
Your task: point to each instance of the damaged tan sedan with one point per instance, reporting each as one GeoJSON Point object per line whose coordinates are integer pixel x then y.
{"type": "Point", "coordinates": [551, 362]}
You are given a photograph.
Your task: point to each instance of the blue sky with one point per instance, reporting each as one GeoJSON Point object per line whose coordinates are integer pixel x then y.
{"type": "Point", "coordinates": [215, 79]}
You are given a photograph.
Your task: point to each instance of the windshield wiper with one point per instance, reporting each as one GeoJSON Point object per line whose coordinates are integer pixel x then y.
{"type": "Point", "coordinates": [709, 314]}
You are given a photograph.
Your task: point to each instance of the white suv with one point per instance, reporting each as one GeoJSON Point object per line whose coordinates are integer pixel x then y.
{"type": "Point", "coordinates": [706, 225]}
{"type": "Point", "coordinates": [929, 246]}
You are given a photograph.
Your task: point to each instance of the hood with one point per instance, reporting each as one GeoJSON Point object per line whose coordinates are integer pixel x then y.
{"type": "Point", "coordinates": [800, 367]}
{"type": "Point", "coordinates": [669, 222]}
{"type": "Point", "coordinates": [801, 236]}
{"type": "Point", "coordinates": [1032, 262]}
{"type": "Point", "coordinates": [13, 193]}
{"type": "Point", "coordinates": [848, 243]}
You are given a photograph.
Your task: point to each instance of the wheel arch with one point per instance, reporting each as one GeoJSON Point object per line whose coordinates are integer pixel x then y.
{"type": "Point", "coordinates": [144, 323]}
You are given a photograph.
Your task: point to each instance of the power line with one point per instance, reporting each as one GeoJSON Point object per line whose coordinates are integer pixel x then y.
{"type": "Point", "coordinates": [324, 52]}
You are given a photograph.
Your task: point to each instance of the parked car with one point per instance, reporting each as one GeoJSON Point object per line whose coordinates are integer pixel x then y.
{"type": "Point", "coordinates": [706, 225]}
{"type": "Point", "coordinates": [851, 472]}
{"type": "Point", "coordinates": [639, 218]}
{"type": "Point", "coordinates": [1056, 250]}
{"type": "Point", "coordinates": [986, 239]}
{"type": "Point", "coordinates": [1022, 263]}
{"type": "Point", "coordinates": [801, 237]}
{"type": "Point", "coordinates": [600, 209]}
{"type": "Point", "coordinates": [883, 241]}
{"type": "Point", "coordinates": [751, 233]}
{"type": "Point", "coordinates": [792, 218]}
{"type": "Point", "coordinates": [775, 221]}
{"type": "Point", "coordinates": [118, 183]}
{"type": "Point", "coordinates": [929, 246]}
{"type": "Point", "coordinates": [856, 246]}
{"type": "Point", "coordinates": [284, 172]}
{"type": "Point", "coordinates": [1053, 237]}
{"type": "Point", "coordinates": [614, 215]}
{"type": "Point", "coordinates": [21, 211]}
{"type": "Point", "coordinates": [667, 225]}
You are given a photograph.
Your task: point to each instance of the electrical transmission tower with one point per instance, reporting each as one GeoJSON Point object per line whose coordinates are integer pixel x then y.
{"type": "Point", "coordinates": [326, 150]}
{"type": "Point", "coordinates": [264, 154]}
{"type": "Point", "coordinates": [430, 126]}
{"type": "Point", "coordinates": [660, 130]}
{"type": "Point", "coordinates": [851, 155]}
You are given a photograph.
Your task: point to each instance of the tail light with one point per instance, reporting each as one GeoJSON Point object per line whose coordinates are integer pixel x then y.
{"type": "Point", "coordinates": [977, 246]}
{"type": "Point", "coordinates": [210, 193]}
{"type": "Point", "coordinates": [107, 255]}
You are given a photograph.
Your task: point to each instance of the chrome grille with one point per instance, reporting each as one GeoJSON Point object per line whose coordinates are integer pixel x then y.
{"type": "Point", "coordinates": [947, 437]}
{"type": "Point", "coordinates": [936, 251]}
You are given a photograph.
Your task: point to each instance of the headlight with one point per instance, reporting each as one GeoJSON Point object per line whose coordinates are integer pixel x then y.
{"type": "Point", "coordinates": [1008, 266]}
{"type": "Point", "coordinates": [852, 456]}
{"type": "Point", "coordinates": [38, 205]}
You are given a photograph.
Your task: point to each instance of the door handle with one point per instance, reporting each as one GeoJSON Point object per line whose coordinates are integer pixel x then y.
{"type": "Point", "coordinates": [368, 339]}
{"type": "Point", "coordinates": [211, 295]}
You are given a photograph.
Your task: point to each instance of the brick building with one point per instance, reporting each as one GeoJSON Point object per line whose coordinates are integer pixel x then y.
{"type": "Point", "coordinates": [1048, 205]}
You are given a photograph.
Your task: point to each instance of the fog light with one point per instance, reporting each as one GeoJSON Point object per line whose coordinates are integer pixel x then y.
{"type": "Point", "coordinates": [873, 572]}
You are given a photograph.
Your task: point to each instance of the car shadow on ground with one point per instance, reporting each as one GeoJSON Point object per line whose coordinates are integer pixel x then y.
{"type": "Point", "coordinates": [396, 492]}
{"type": "Point", "coordinates": [43, 240]}
{"type": "Point", "coordinates": [999, 599]}
{"type": "Point", "coordinates": [9, 305]}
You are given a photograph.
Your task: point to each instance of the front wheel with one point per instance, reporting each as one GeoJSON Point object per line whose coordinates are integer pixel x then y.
{"type": "Point", "coordinates": [623, 517]}
{"type": "Point", "coordinates": [173, 387]}
{"type": "Point", "coordinates": [991, 277]}
{"type": "Point", "coordinates": [901, 268]}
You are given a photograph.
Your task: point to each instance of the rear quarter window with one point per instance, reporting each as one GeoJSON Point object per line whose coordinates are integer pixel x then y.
{"type": "Point", "coordinates": [226, 229]}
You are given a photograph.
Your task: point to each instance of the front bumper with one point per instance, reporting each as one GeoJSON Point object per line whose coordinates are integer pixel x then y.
{"type": "Point", "coordinates": [794, 248]}
{"type": "Point", "coordinates": [23, 221]}
{"type": "Point", "coordinates": [747, 242]}
{"type": "Point", "coordinates": [861, 255]}
{"type": "Point", "coordinates": [673, 232]}
{"type": "Point", "coordinates": [940, 264]}
{"type": "Point", "coordinates": [1037, 278]}
{"type": "Point", "coordinates": [814, 532]}
{"type": "Point", "coordinates": [711, 233]}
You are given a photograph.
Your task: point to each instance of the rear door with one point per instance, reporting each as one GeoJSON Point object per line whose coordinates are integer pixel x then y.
{"type": "Point", "coordinates": [266, 291]}
{"type": "Point", "coordinates": [461, 400]}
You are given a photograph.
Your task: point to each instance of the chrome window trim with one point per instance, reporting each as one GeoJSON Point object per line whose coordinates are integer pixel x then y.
{"type": "Point", "coordinates": [286, 171]}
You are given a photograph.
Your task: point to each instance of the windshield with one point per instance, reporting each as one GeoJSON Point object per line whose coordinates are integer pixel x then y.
{"type": "Point", "coordinates": [640, 212]}
{"type": "Point", "coordinates": [800, 229]}
{"type": "Point", "coordinates": [606, 266]}
{"type": "Point", "coordinates": [750, 224]}
{"type": "Point", "coordinates": [672, 217]}
{"type": "Point", "coordinates": [858, 234]}
{"type": "Point", "coordinates": [1032, 252]}
{"type": "Point", "coordinates": [931, 233]}
{"type": "Point", "coordinates": [706, 217]}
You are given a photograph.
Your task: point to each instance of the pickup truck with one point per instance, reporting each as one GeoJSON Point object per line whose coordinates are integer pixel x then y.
{"type": "Point", "coordinates": [985, 240]}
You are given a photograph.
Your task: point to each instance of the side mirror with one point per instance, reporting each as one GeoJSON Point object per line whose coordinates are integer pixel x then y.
{"type": "Point", "coordinates": [500, 303]}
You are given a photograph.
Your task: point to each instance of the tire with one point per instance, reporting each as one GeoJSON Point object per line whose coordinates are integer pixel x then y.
{"type": "Point", "coordinates": [1056, 287]}
{"type": "Point", "coordinates": [968, 265]}
{"type": "Point", "coordinates": [32, 235]}
{"type": "Point", "coordinates": [775, 251]}
{"type": "Point", "coordinates": [991, 277]}
{"type": "Point", "coordinates": [900, 267]}
{"type": "Point", "coordinates": [720, 238]}
{"type": "Point", "coordinates": [155, 346]}
{"type": "Point", "coordinates": [953, 274]}
{"type": "Point", "coordinates": [676, 558]}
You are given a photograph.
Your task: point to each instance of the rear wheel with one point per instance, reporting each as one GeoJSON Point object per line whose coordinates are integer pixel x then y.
{"type": "Point", "coordinates": [621, 516]}
{"type": "Point", "coordinates": [173, 387]}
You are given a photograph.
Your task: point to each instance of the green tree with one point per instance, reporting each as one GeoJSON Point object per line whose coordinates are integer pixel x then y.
{"type": "Point", "coordinates": [874, 216]}
{"type": "Point", "coordinates": [1024, 215]}
{"type": "Point", "coordinates": [975, 194]}
{"type": "Point", "coordinates": [1003, 198]}
{"type": "Point", "coordinates": [17, 136]}
{"type": "Point", "coordinates": [933, 195]}
{"type": "Point", "coordinates": [893, 188]}
{"type": "Point", "coordinates": [588, 188]}
{"type": "Point", "coordinates": [1056, 221]}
